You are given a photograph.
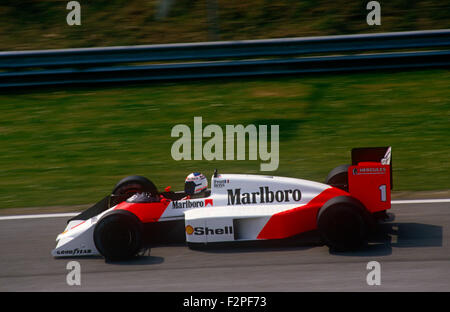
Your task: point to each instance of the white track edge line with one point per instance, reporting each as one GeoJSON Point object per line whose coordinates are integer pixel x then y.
{"type": "Point", "coordinates": [421, 201]}
{"type": "Point", "coordinates": [38, 216]}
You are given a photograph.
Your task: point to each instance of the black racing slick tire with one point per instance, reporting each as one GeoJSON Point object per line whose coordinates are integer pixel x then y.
{"type": "Point", "coordinates": [134, 184]}
{"type": "Point", "coordinates": [338, 177]}
{"type": "Point", "coordinates": [118, 235]}
{"type": "Point", "coordinates": [342, 224]}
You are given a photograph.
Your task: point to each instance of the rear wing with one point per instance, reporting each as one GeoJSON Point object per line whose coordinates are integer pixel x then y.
{"type": "Point", "coordinates": [370, 177]}
{"type": "Point", "coordinates": [382, 155]}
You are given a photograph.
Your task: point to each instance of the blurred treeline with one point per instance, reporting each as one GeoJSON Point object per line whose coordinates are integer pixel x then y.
{"type": "Point", "coordinates": [41, 24]}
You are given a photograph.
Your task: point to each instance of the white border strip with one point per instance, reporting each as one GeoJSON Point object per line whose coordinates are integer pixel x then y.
{"type": "Point", "coordinates": [38, 216]}
{"type": "Point", "coordinates": [420, 201]}
{"type": "Point", "coordinates": [72, 214]}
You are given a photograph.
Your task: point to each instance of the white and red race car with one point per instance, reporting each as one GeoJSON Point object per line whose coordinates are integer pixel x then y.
{"type": "Point", "coordinates": [238, 207]}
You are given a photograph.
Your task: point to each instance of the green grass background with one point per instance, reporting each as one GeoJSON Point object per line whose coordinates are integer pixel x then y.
{"type": "Point", "coordinates": [64, 147]}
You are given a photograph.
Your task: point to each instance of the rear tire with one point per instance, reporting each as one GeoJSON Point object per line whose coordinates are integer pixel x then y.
{"type": "Point", "coordinates": [118, 236]}
{"type": "Point", "coordinates": [342, 224]}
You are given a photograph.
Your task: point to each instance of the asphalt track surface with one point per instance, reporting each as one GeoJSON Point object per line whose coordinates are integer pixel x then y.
{"type": "Point", "coordinates": [413, 251]}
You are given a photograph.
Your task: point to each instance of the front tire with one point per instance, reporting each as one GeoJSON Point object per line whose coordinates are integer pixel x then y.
{"type": "Point", "coordinates": [134, 184]}
{"type": "Point", "coordinates": [118, 236]}
{"type": "Point", "coordinates": [131, 185]}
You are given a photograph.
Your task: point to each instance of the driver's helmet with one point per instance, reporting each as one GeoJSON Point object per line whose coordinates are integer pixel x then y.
{"type": "Point", "coordinates": [195, 183]}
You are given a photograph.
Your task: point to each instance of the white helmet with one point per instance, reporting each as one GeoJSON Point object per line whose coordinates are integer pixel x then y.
{"type": "Point", "coordinates": [195, 183]}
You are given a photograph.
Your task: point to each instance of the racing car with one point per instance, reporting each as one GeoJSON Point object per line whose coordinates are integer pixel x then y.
{"type": "Point", "coordinates": [237, 208]}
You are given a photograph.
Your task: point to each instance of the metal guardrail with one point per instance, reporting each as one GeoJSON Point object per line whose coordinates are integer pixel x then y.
{"type": "Point", "coordinates": [225, 59]}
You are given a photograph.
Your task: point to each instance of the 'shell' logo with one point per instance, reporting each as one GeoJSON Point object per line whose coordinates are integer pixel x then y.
{"type": "Point", "coordinates": [189, 230]}
{"type": "Point", "coordinates": [200, 230]}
